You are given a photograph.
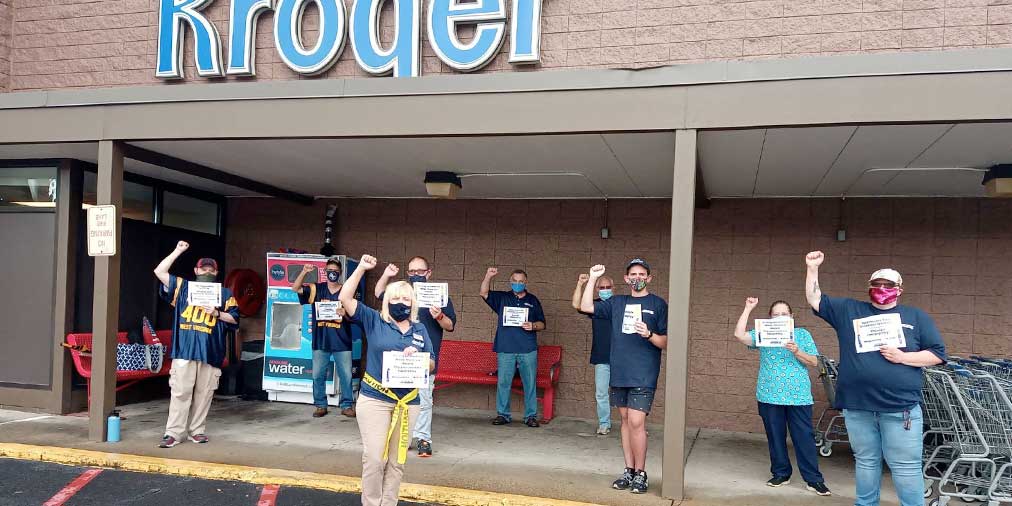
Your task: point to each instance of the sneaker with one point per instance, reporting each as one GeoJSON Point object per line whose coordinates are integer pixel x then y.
{"type": "Point", "coordinates": [819, 488]}
{"type": "Point", "coordinates": [532, 422]}
{"type": "Point", "coordinates": [603, 430]}
{"type": "Point", "coordinates": [320, 412]}
{"type": "Point", "coordinates": [199, 438]}
{"type": "Point", "coordinates": [168, 442]}
{"type": "Point", "coordinates": [639, 483]}
{"type": "Point", "coordinates": [424, 449]}
{"type": "Point", "coordinates": [348, 412]}
{"type": "Point", "coordinates": [500, 420]}
{"type": "Point", "coordinates": [778, 481]}
{"type": "Point", "coordinates": [624, 481]}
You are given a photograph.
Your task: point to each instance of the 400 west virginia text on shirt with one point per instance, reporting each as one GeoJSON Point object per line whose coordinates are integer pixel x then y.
{"type": "Point", "coordinates": [197, 334]}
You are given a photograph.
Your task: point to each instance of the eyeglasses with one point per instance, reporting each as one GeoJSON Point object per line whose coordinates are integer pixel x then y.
{"type": "Point", "coordinates": [605, 287]}
{"type": "Point", "coordinates": [417, 272]}
{"type": "Point", "coordinates": [883, 284]}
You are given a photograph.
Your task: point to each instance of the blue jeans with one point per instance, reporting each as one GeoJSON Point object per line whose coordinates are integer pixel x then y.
{"type": "Point", "coordinates": [528, 364]}
{"type": "Point", "coordinates": [778, 419]}
{"type": "Point", "coordinates": [895, 437]}
{"type": "Point", "coordinates": [321, 364]}
{"type": "Point", "coordinates": [602, 378]}
{"type": "Point", "coordinates": [423, 426]}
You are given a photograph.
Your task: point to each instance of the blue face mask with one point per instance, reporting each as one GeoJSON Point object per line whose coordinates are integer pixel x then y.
{"type": "Point", "coordinates": [333, 276]}
{"type": "Point", "coordinates": [604, 294]}
{"type": "Point", "coordinates": [399, 312]}
{"type": "Point", "coordinates": [518, 287]}
{"type": "Point", "coordinates": [417, 278]}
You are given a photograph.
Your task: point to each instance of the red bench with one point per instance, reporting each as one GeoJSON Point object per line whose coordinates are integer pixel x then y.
{"type": "Point", "coordinates": [128, 378]}
{"type": "Point", "coordinates": [470, 362]}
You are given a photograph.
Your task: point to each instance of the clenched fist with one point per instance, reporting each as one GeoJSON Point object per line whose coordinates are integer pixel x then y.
{"type": "Point", "coordinates": [391, 271]}
{"type": "Point", "coordinates": [368, 262]}
{"type": "Point", "coordinates": [596, 271]}
{"type": "Point", "coordinates": [751, 303]}
{"type": "Point", "coordinates": [182, 246]}
{"type": "Point", "coordinates": [814, 259]}
{"type": "Point", "coordinates": [491, 273]}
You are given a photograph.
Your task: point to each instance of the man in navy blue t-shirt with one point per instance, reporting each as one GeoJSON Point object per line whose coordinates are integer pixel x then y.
{"type": "Point", "coordinates": [883, 347]}
{"type": "Point", "coordinates": [600, 349]}
{"type": "Point", "coordinates": [436, 320]}
{"type": "Point", "coordinates": [516, 342]}
{"type": "Point", "coordinates": [639, 328]}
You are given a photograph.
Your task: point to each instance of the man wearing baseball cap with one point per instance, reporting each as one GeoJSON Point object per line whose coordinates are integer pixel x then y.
{"type": "Point", "coordinates": [639, 328]}
{"type": "Point", "coordinates": [198, 348]}
{"type": "Point", "coordinates": [883, 347]}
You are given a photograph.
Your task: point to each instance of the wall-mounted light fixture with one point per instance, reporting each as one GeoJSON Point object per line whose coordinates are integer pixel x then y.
{"type": "Point", "coordinates": [442, 184]}
{"type": "Point", "coordinates": [998, 180]}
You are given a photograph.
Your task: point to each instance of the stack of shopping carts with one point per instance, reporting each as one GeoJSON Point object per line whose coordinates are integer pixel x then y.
{"type": "Point", "coordinates": [831, 427]}
{"type": "Point", "coordinates": [968, 439]}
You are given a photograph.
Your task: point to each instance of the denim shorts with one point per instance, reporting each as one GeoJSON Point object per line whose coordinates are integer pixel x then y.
{"type": "Point", "coordinates": [638, 398]}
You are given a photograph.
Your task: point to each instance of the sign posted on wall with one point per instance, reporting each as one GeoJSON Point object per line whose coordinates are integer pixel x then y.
{"type": "Point", "coordinates": [102, 231]}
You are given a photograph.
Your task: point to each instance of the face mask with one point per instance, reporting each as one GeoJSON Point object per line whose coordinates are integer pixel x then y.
{"type": "Point", "coordinates": [206, 278]}
{"type": "Point", "coordinates": [638, 284]}
{"type": "Point", "coordinates": [416, 278]}
{"type": "Point", "coordinates": [518, 287]}
{"type": "Point", "coordinates": [782, 317]}
{"type": "Point", "coordinates": [604, 294]}
{"type": "Point", "coordinates": [333, 276]}
{"type": "Point", "coordinates": [399, 312]}
{"type": "Point", "coordinates": [883, 296]}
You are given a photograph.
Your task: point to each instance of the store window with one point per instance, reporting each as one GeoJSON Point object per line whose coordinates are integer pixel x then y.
{"type": "Point", "coordinates": [189, 213]}
{"type": "Point", "coordinates": [138, 199]}
{"type": "Point", "coordinates": [28, 189]}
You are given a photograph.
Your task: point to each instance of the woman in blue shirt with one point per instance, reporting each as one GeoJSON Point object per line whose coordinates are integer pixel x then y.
{"type": "Point", "coordinates": [385, 414]}
{"type": "Point", "coordinates": [785, 399]}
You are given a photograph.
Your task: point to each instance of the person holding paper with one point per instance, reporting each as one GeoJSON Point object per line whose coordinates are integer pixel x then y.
{"type": "Point", "coordinates": [520, 318]}
{"type": "Point", "coordinates": [784, 393]}
{"type": "Point", "coordinates": [879, 387]}
{"type": "Point", "coordinates": [331, 337]}
{"type": "Point", "coordinates": [639, 327]}
{"type": "Point", "coordinates": [198, 347]}
{"type": "Point", "coordinates": [436, 319]}
{"type": "Point", "coordinates": [385, 415]}
{"type": "Point", "coordinates": [600, 349]}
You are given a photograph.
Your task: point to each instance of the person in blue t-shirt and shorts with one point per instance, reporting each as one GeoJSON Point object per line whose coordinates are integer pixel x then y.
{"type": "Point", "coordinates": [639, 327]}
{"type": "Point", "coordinates": [879, 385]}
{"type": "Point", "coordinates": [784, 393]}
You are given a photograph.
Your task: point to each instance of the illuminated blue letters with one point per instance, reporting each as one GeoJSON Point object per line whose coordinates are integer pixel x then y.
{"type": "Point", "coordinates": [288, 35]}
{"type": "Point", "coordinates": [489, 16]}
{"type": "Point", "coordinates": [242, 35]}
{"type": "Point", "coordinates": [207, 50]}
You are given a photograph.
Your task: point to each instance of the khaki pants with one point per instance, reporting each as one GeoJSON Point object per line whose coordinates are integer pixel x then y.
{"type": "Point", "coordinates": [193, 384]}
{"type": "Point", "coordinates": [381, 480]}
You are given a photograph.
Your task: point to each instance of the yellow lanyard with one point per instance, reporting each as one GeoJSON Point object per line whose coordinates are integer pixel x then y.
{"type": "Point", "coordinates": [400, 414]}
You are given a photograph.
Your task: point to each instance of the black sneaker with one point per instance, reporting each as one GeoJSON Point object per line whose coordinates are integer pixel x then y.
{"type": "Point", "coordinates": [639, 483]}
{"type": "Point", "coordinates": [819, 488]}
{"type": "Point", "coordinates": [500, 420]}
{"type": "Point", "coordinates": [624, 481]}
{"type": "Point", "coordinates": [778, 481]}
{"type": "Point", "coordinates": [532, 422]}
{"type": "Point", "coordinates": [424, 449]}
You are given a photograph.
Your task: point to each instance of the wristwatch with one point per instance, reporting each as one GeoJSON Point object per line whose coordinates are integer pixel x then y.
{"type": "Point", "coordinates": [440, 317]}
{"type": "Point", "coordinates": [651, 334]}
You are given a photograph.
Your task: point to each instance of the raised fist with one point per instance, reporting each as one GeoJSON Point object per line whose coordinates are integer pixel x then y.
{"type": "Point", "coordinates": [814, 259]}
{"type": "Point", "coordinates": [491, 272]}
{"type": "Point", "coordinates": [583, 279]}
{"type": "Point", "coordinates": [391, 271]}
{"type": "Point", "coordinates": [596, 271]}
{"type": "Point", "coordinates": [368, 262]}
{"type": "Point", "coordinates": [182, 246]}
{"type": "Point", "coordinates": [306, 269]}
{"type": "Point", "coordinates": [751, 303]}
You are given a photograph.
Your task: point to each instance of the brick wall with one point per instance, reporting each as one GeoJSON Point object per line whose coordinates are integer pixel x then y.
{"type": "Point", "coordinates": [949, 251]}
{"type": "Point", "coordinates": [83, 43]}
{"type": "Point", "coordinates": [6, 26]}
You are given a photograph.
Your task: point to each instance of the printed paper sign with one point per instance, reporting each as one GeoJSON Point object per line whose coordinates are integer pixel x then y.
{"type": "Point", "coordinates": [633, 315]}
{"type": "Point", "coordinates": [403, 371]}
{"type": "Point", "coordinates": [774, 332]}
{"type": "Point", "coordinates": [203, 294]}
{"type": "Point", "coordinates": [875, 331]}
{"type": "Point", "coordinates": [432, 294]}
{"type": "Point", "coordinates": [101, 231]}
{"type": "Point", "coordinates": [514, 316]}
{"type": "Point", "coordinates": [327, 310]}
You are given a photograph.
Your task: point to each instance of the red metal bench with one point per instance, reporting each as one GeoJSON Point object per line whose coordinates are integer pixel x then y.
{"type": "Point", "coordinates": [128, 378]}
{"type": "Point", "coordinates": [470, 362]}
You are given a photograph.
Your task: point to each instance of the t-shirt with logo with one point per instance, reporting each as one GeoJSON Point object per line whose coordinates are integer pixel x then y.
{"type": "Point", "coordinates": [387, 336]}
{"type": "Point", "coordinates": [635, 361]}
{"type": "Point", "coordinates": [327, 335]}
{"type": "Point", "coordinates": [197, 334]}
{"type": "Point", "coordinates": [435, 331]}
{"type": "Point", "coordinates": [515, 339]}
{"type": "Point", "coordinates": [868, 381]}
{"type": "Point", "coordinates": [783, 379]}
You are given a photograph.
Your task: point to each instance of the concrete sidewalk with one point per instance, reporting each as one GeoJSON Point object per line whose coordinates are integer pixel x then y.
{"type": "Point", "coordinates": [562, 460]}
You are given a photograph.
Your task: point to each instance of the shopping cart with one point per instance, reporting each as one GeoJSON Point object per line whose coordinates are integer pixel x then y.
{"type": "Point", "coordinates": [831, 427]}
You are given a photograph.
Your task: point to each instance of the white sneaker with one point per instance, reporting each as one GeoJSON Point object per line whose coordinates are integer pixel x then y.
{"type": "Point", "coordinates": [603, 430]}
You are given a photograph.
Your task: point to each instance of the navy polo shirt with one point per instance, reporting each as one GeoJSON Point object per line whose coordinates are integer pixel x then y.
{"type": "Point", "coordinates": [868, 381]}
{"type": "Point", "coordinates": [600, 349]}
{"type": "Point", "coordinates": [515, 339]}
{"type": "Point", "coordinates": [431, 325]}
{"type": "Point", "coordinates": [635, 362]}
{"type": "Point", "coordinates": [386, 336]}
{"type": "Point", "coordinates": [327, 335]}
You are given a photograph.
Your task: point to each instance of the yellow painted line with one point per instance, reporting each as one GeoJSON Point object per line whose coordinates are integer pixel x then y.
{"type": "Point", "coordinates": [264, 476]}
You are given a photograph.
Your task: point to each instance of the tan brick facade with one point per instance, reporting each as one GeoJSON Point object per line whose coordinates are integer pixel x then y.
{"type": "Point", "coordinates": [950, 251]}
{"type": "Point", "coordinates": [84, 43]}
{"type": "Point", "coordinates": [6, 25]}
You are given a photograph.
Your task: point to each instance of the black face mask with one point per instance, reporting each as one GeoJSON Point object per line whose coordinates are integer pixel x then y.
{"type": "Point", "coordinates": [333, 276]}
{"type": "Point", "coordinates": [399, 312]}
{"type": "Point", "coordinates": [206, 278]}
{"type": "Point", "coordinates": [416, 278]}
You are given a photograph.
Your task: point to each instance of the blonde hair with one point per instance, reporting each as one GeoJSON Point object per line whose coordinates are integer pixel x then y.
{"type": "Point", "coordinates": [398, 289]}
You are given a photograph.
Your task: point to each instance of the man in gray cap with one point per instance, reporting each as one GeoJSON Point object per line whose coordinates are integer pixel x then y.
{"type": "Point", "coordinates": [883, 347]}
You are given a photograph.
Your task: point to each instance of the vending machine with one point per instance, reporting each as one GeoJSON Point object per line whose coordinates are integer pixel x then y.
{"type": "Point", "coordinates": [288, 333]}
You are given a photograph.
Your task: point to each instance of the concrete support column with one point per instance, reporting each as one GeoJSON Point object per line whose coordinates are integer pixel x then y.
{"type": "Point", "coordinates": [106, 307]}
{"type": "Point", "coordinates": [679, 281]}
{"type": "Point", "coordinates": [68, 213]}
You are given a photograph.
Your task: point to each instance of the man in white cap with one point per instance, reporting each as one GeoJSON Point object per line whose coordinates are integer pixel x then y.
{"type": "Point", "coordinates": [883, 347]}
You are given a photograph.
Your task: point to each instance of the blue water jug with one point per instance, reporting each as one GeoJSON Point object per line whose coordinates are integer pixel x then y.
{"type": "Point", "coordinates": [113, 427]}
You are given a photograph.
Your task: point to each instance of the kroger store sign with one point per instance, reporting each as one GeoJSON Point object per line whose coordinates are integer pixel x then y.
{"type": "Point", "coordinates": [402, 57]}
